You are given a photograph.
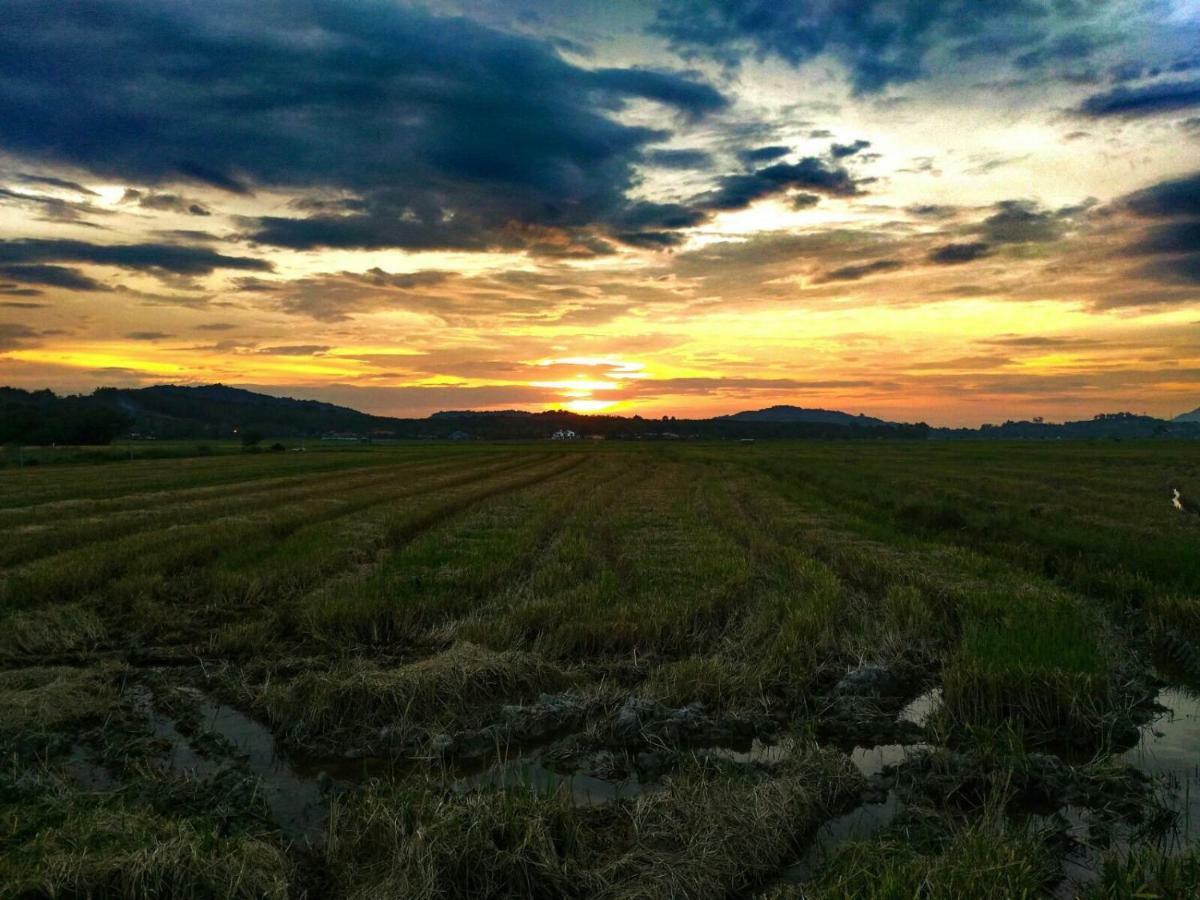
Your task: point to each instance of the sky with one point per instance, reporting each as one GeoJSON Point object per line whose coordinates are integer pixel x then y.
{"type": "Point", "coordinates": [951, 211]}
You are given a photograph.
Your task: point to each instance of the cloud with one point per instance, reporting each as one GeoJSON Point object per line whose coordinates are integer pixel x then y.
{"type": "Point", "coordinates": [1038, 342]}
{"type": "Point", "coordinates": [838, 151]}
{"type": "Point", "coordinates": [952, 254]}
{"type": "Point", "coordinates": [162, 258]}
{"type": "Point", "coordinates": [932, 210]}
{"type": "Point", "coordinates": [1148, 100]}
{"type": "Point", "coordinates": [679, 159]}
{"type": "Point", "coordinates": [445, 131]}
{"type": "Point", "coordinates": [879, 43]}
{"type": "Point", "coordinates": [1173, 232]}
{"type": "Point", "coordinates": [1177, 197]}
{"type": "Point", "coordinates": [52, 276]}
{"type": "Point", "coordinates": [216, 326]}
{"type": "Point", "coordinates": [147, 335]}
{"type": "Point", "coordinates": [51, 181]}
{"type": "Point", "coordinates": [1172, 237]}
{"type": "Point", "coordinates": [859, 270]}
{"type": "Point", "coordinates": [1020, 222]}
{"type": "Point", "coordinates": [294, 350]}
{"type": "Point", "coordinates": [54, 209]}
{"type": "Point", "coordinates": [764, 154]}
{"type": "Point", "coordinates": [1184, 269]}
{"type": "Point", "coordinates": [13, 336]}
{"type": "Point", "coordinates": [692, 97]}
{"type": "Point", "coordinates": [165, 202]}
{"type": "Point", "coordinates": [810, 174]}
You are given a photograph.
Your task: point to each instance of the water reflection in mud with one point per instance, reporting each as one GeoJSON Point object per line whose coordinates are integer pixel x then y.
{"type": "Point", "coordinates": [1169, 749]}
{"type": "Point", "coordinates": [919, 710]}
{"type": "Point", "coordinates": [297, 803]}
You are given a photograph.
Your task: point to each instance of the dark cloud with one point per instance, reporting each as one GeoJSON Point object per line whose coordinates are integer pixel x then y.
{"type": "Point", "coordinates": [1021, 222]}
{"type": "Point", "coordinates": [679, 159]}
{"type": "Point", "coordinates": [1175, 237]}
{"type": "Point", "coordinates": [1171, 237]}
{"type": "Point", "coordinates": [1164, 96]}
{"type": "Point", "coordinates": [1037, 341]}
{"type": "Point", "coordinates": [187, 234]}
{"type": "Point", "coordinates": [162, 258]}
{"type": "Point", "coordinates": [859, 270]}
{"type": "Point", "coordinates": [932, 210]}
{"type": "Point", "coordinates": [692, 97]}
{"type": "Point", "coordinates": [804, 201]}
{"type": "Point", "coordinates": [13, 336]}
{"type": "Point", "coordinates": [445, 131]}
{"type": "Point", "coordinates": [660, 215]}
{"type": "Point", "coordinates": [810, 174]}
{"type": "Point", "coordinates": [53, 276]}
{"type": "Point", "coordinates": [216, 326]}
{"type": "Point", "coordinates": [1180, 269]}
{"type": "Point", "coordinates": [147, 335]}
{"type": "Point", "coordinates": [54, 209]}
{"type": "Point", "coordinates": [1071, 47]}
{"type": "Point", "coordinates": [880, 42]}
{"type": "Point", "coordinates": [1177, 197]}
{"type": "Point", "coordinates": [839, 151]}
{"type": "Point", "coordinates": [764, 154]}
{"type": "Point", "coordinates": [165, 202]}
{"type": "Point", "coordinates": [650, 240]}
{"type": "Point", "coordinates": [51, 181]}
{"type": "Point", "coordinates": [952, 254]}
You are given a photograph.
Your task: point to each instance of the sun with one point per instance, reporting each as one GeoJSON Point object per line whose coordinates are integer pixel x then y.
{"type": "Point", "coordinates": [588, 405]}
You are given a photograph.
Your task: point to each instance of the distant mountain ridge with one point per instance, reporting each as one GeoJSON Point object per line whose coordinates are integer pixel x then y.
{"type": "Point", "coordinates": [803, 414]}
{"type": "Point", "coordinates": [219, 411]}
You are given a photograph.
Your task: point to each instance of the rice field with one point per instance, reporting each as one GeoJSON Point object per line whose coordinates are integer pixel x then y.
{"type": "Point", "coordinates": [694, 670]}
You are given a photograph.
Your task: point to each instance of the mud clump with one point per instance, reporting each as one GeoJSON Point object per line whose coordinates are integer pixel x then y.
{"type": "Point", "coordinates": [1037, 782]}
{"type": "Point", "coordinates": [524, 724]}
{"type": "Point", "coordinates": [640, 721]}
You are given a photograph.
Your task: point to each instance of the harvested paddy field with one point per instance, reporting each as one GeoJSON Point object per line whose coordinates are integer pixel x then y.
{"type": "Point", "coordinates": [777, 670]}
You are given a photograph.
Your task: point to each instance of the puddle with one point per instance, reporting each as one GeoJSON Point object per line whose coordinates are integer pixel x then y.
{"type": "Point", "coordinates": [182, 757]}
{"type": "Point", "coordinates": [88, 774]}
{"type": "Point", "coordinates": [919, 710]}
{"type": "Point", "coordinates": [859, 824]}
{"type": "Point", "coordinates": [296, 803]}
{"type": "Point", "coordinates": [754, 751]}
{"type": "Point", "coordinates": [1169, 750]}
{"type": "Point", "coordinates": [873, 760]}
{"type": "Point", "coordinates": [586, 790]}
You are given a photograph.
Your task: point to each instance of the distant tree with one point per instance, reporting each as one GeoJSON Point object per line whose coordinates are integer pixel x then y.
{"type": "Point", "coordinates": [251, 437]}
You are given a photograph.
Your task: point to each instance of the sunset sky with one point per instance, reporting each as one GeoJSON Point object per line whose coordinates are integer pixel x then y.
{"type": "Point", "coordinates": [955, 211]}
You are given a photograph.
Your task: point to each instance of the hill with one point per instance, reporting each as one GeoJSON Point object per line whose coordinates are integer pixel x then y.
{"type": "Point", "coordinates": [802, 414]}
{"type": "Point", "coordinates": [218, 411]}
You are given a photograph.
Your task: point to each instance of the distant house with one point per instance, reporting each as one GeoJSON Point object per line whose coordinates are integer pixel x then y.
{"type": "Point", "coordinates": [564, 434]}
{"type": "Point", "coordinates": [342, 436]}
{"type": "Point", "coordinates": [459, 436]}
